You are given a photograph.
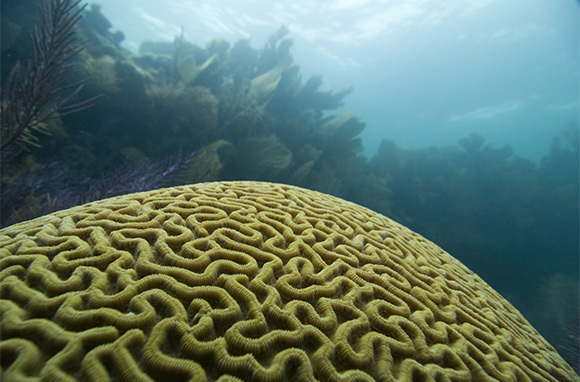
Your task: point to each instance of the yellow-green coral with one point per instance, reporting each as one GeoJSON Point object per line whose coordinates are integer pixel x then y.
{"type": "Point", "coordinates": [254, 281]}
{"type": "Point", "coordinates": [189, 71]}
{"type": "Point", "coordinates": [262, 86]}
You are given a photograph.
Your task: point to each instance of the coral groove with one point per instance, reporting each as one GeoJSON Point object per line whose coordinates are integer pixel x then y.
{"type": "Point", "coordinates": [249, 281]}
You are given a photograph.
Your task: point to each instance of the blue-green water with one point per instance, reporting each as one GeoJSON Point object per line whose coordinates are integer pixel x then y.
{"type": "Point", "coordinates": [424, 72]}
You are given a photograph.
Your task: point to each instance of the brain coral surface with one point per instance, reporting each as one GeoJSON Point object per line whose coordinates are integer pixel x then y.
{"type": "Point", "coordinates": [249, 281]}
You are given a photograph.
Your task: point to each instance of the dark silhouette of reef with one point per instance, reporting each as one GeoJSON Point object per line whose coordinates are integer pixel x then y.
{"type": "Point", "coordinates": [248, 114]}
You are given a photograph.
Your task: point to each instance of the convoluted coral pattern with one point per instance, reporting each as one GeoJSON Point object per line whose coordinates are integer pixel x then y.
{"type": "Point", "coordinates": [250, 281]}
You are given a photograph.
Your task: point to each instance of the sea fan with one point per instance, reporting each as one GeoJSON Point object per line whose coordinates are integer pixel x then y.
{"type": "Point", "coordinates": [57, 186]}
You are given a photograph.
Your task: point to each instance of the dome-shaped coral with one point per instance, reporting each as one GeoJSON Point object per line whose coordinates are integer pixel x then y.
{"type": "Point", "coordinates": [250, 281]}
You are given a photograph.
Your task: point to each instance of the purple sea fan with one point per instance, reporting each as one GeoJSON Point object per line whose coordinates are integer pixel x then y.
{"type": "Point", "coordinates": [144, 177]}
{"type": "Point", "coordinates": [56, 186]}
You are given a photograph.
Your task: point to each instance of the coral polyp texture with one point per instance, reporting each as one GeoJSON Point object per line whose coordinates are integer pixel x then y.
{"type": "Point", "coordinates": [250, 281]}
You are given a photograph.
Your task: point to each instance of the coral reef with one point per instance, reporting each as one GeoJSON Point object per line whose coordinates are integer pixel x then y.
{"type": "Point", "coordinates": [250, 281]}
{"type": "Point", "coordinates": [248, 114]}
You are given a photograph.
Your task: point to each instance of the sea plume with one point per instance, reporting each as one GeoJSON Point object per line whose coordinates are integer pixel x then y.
{"type": "Point", "coordinates": [40, 90]}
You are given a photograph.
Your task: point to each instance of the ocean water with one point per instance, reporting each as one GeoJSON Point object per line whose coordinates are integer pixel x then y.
{"type": "Point", "coordinates": [461, 122]}
{"type": "Point", "coordinates": [424, 72]}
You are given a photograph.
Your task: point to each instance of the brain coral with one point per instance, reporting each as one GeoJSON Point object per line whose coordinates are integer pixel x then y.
{"type": "Point", "coordinates": [250, 281]}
